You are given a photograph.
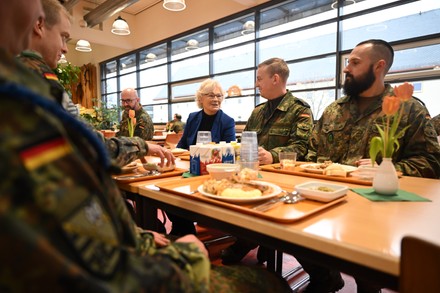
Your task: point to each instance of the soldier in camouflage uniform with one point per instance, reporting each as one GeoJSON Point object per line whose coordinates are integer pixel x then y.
{"type": "Point", "coordinates": [60, 211]}
{"type": "Point", "coordinates": [344, 132]}
{"type": "Point", "coordinates": [144, 125]}
{"type": "Point", "coordinates": [284, 122]}
{"type": "Point", "coordinates": [48, 42]}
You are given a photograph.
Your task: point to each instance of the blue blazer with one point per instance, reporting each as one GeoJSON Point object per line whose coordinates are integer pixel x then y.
{"type": "Point", "coordinates": [223, 129]}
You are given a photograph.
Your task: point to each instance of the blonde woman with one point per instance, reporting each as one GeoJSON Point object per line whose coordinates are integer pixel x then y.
{"type": "Point", "coordinates": [209, 98]}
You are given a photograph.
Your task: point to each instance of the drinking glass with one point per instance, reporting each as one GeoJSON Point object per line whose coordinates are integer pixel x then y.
{"type": "Point", "coordinates": [203, 137]}
{"type": "Point", "coordinates": [287, 160]}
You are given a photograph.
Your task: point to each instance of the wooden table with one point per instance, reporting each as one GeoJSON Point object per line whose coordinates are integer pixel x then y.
{"type": "Point", "coordinates": [359, 237]}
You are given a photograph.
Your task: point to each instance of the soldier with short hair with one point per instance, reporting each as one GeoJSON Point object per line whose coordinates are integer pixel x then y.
{"type": "Point", "coordinates": [144, 127]}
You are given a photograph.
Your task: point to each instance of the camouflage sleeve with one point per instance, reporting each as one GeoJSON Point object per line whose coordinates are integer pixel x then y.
{"type": "Point", "coordinates": [436, 123]}
{"type": "Point", "coordinates": [144, 127]}
{"type": "Point", "coordinates": [419, 153]}
{"type": "Point", "coordinates": [313, 143]}
{"type": "Point", "coordinates": [123, 150]}
{"type": "Point", "coordinates": [186, 255]}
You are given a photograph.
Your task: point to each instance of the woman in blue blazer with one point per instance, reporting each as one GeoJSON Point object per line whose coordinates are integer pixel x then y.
{"type": "Point", "coordinates": [209, 98]}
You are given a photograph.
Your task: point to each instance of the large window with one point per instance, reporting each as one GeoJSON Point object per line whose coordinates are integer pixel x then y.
{"type": "Point", "coordinates": [314, 37]}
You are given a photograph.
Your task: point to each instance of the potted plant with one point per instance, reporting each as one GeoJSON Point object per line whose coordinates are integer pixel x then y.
{"type": "Point", "coordinates": [101, 117]}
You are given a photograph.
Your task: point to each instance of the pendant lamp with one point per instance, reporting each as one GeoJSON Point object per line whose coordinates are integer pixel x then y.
{"type": "Point", "coordinates": [174, 5]}
{"type": "Point", "coordinates": [120, 27]}
{"type": "Point", "coordinates": [83, 46]}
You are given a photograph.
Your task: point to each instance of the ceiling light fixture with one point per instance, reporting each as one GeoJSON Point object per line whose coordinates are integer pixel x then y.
{"type": "Point", "coordinates": [248, 27]}
{"type": "Point", "coordinates": [174, 5]}
{"type": "Point", "coordinates": [192, 45]}
{"type": "Point", "coordinates": [120, 27]}
{"type": "Point", "coordinates": [83, 46]}
{"type": "Point", "coordinates": [63, 59]}
{"type": "Point", "coordinates": [346, 2]}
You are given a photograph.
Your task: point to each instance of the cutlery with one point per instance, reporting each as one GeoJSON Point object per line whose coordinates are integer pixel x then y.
{"type": "Point", "coordinates": [148, 173]}
{"type": "Point", "coordinates": [288, 198]}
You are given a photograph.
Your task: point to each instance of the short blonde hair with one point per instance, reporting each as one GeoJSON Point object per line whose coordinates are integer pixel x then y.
{"type": "Point", "coordinates": [206, 87]}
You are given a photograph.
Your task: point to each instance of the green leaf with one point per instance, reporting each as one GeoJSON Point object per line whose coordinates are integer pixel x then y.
{"type": "Point", "coordinates": [376, 146]}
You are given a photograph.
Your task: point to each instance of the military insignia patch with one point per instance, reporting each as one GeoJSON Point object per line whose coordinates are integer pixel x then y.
{"type": "Point", "coordinates": [51, 76]}
{"type": "Point", "coordinates": [45, 152]}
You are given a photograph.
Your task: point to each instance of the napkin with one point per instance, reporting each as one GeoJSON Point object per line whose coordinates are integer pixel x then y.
{"type": "Point", "coordinates": [401, 195]}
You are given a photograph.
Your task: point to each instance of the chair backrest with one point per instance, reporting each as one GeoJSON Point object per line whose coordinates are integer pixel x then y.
{"type": "Point", "coordinates": [172, 139]}
{"type": "Point", "coordinates": [419, 266]}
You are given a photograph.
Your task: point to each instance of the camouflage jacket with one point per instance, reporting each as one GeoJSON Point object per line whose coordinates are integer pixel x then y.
{"type": "Point", "coordinates": [144, 125]}
{"type": "Point", "coordinates": [436, 122]}
{"type": "Point", "coordinates": [35, 62]}
{"type": "Point", "coordinates": [176, 126]}
{"type": "Point", "coordinates": [343, 135]}
{"type": "Point", "coordinates": [61, 212]}
{"type": "Point", "coordinates": [288, 128]}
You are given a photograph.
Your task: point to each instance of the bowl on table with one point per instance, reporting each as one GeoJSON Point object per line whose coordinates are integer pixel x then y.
{"type": "Point", "coordinates": [222, 171]}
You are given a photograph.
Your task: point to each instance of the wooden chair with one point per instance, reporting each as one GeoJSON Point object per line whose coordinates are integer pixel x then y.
{"type": "Point", "coordinates": [172, 140]}
{"type": "Point", "coordinates": [419, 266]}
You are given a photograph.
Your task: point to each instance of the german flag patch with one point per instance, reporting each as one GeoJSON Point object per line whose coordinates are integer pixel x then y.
{"type": "Point", "coordinates": [44, 153]}
{"type": "Point", "coordinates": [51, 76]}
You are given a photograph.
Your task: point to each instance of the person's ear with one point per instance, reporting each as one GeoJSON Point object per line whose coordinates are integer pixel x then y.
{"type": "Point", "coordinates": [381, 65]}
{"type": "Point", "coordinates": [39, 27]}
{"type": "Point", "coordinates": [276, 78]}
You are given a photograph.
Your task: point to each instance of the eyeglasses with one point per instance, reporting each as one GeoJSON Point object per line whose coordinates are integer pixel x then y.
{"type": "Point", "coordinates": [212, 95]}
{"type": "Point", "coordinates": [127, 101]}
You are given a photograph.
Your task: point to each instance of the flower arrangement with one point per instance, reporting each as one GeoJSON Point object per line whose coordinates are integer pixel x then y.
{"type": "Point", "coordinates": [131, 122]}
{"type": "Point", "coordinates": [388, 141]}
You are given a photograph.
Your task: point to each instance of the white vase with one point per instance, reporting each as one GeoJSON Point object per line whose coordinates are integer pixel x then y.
{"type": "Point", "coordinates": [385, 180]}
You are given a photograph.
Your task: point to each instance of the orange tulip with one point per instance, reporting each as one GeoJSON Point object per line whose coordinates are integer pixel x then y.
{"type": "Point", "coordinates": [131, 113]}
{"type": "Point", "coordinates": [404, 91]}
{"type": "Point", "coordinates": [390, 105]}
{"type": "Point", "coordinates": [133, 121]}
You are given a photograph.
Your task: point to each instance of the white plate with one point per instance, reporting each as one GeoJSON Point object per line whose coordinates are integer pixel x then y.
{"type": "Point", "coordinates": [275, 191]}
{"type": "Point", "coordinates": [311, 168]}
{"type": "Point", "coordinates": [309, 190]}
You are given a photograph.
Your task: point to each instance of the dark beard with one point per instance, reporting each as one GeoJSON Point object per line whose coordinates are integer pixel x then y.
{"type": "Point", "coordinates": [355, 86]}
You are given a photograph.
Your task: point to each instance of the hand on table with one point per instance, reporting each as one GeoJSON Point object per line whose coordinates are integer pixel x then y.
{"type": "Point", "coordinates": [163, 153]}
{"type": "Point", "coordinates": [364, 162]}
{"type": "Point", "coordinates": [264, 157]}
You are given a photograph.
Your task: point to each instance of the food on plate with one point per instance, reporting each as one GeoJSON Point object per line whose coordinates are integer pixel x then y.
{"type": "Point", "coordinates": [154, 166]}
{"type": "Point", "coordinates": [320, 166]}
{"type": "Point", "coordinates": [322, 188]}
{"type": "Point", "coordinates": [335, 170]}
{"type": "Point", "coordinates": [245, 174]}
{"type": "Point", "coordinates": [232, 188]}
{"type": "Point", "coordinates": [178, 150]}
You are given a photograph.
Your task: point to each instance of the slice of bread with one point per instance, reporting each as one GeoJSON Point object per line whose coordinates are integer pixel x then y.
{"type": "Point", "coordinates": [335, 170]}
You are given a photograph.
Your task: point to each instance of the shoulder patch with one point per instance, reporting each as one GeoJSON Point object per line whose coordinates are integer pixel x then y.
{"type": "Point", "coordinates": [51, 76]}
{"type": "Point", "coordinates": [45, 152]}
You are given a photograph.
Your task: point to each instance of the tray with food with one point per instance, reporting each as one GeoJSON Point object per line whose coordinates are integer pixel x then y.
{"type": "Point", "coordinates": [147, 171]}
{"type": "Point", "coordinates": [245, 196]}
{"type": "Point", "coordinates": [327, 171]}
